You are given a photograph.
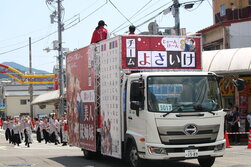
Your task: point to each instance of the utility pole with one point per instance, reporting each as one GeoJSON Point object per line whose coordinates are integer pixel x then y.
{"type": "Point", "coordinates": [176, 16]}
{"type": "Point", "coordinates": [60, 59]}
{"type": "Point", "coordinates": [30, 86]}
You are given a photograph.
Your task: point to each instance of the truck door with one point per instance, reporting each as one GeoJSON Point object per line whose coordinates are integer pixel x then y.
{"type": "Point", "coordinates": [135, 110]}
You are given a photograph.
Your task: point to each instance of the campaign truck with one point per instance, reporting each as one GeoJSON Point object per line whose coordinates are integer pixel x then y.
{"type": "Point", "coordinates": [144, 98]}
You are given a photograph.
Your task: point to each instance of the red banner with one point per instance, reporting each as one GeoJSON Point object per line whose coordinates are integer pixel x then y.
{"type": "Point", "coordinates": [81, 99]}
{"type": "Point", "coordinates": [161, 52]}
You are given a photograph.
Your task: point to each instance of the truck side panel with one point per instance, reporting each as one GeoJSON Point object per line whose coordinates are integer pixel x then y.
{"type": "Point", "coordinates": [110, 97]}
{"type": "Point", "coordinates": [81, 98]}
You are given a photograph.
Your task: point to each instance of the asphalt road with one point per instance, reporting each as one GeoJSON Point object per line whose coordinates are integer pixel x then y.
{"type": "Point", "coordinates": [43, 155]}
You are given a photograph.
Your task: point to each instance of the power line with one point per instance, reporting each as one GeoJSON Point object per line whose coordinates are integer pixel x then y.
{"type": "Point", "coordinates": [94, 11]}
{"type": "Point", "coordinates": [133, 15]}
{"type": "Point", "coordinates": [80, 20]}
{"type": "Point", "coordinates": [150, 19]}
{"type": "Point", "coordinates": [220, 21]}
{"type": "Point", "coordinates": [24, 46]}
{"type": "Point", "coordinates": [6, 46]}
{"type": "Point", "coordinates": [149, 7]}
{"type": "Point", "coordinates": [36, 41]}
{"type": "Point", "coordinates": [78, 14]}
{"type": "Point", "coordinates": [119, 11]}
{"type": "Point", "coordinates": [22, 35]}
{"type": "Point", "coordinates": [146, 16]}
{"type": "Point", "coordinates": [89, 6]}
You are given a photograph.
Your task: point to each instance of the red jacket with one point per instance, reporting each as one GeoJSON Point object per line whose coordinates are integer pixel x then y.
{"type": "Point", "coordinates": [99, 34]}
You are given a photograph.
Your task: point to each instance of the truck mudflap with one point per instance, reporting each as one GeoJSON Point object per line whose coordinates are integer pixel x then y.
{"type": "Point", "coordinates": [160, 151]}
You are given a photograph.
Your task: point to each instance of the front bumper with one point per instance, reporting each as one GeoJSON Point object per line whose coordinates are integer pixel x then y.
{"type": "Point", "coordinates": [178, 151]}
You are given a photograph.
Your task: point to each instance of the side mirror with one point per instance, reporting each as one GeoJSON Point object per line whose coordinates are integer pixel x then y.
{"type": "Point", "coordinates": [135, 91]}
{"type": "Point", "coordinates": [135, 105]}
{"type": "Point", "coordinates": [239, 84]}
{"type": "Point", "coordinates": [219, 78]}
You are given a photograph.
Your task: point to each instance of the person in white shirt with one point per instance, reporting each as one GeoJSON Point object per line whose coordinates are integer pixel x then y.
{"type": "Point", "coordinates": [39, 130]}
{"type": "Point", "coordinates": [54, 129]}
{"type": "Point", "coordinates": [11, 122]}
{"type": "Point", "coordinates": [45, 129]}
{"type": "Point", "coordinates": [27, 131]}
{"type": "Point", "coordinates": [63, 130]}
{"type": "Point", "coordinates": [16, 132]}
{"type": "Point", "coordinates": [7, 129]}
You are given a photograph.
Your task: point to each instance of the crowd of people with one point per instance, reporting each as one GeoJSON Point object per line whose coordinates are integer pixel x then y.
{"type": "Point", "coordinates": [48, 129]}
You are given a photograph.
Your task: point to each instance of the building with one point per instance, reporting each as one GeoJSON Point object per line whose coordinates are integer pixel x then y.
{"type": "Point", "coordinates": [226, 35]}
{"type": "Point", "coordinates": [17, 100]}
{"type": "Point", "coordinates": [231, 29]}
{"type": "Point", "coordinates": [232, 64]}
{"type": "Point", "coordinates": [226, 10]}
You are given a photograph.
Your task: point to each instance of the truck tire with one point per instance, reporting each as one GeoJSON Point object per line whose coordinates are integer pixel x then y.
{"type": "Point", "coordinates": [206, 162]}
{"type": "Point", "coordinates": [89, 154]}
{"type": "Point", "coordinates": [132, 156]}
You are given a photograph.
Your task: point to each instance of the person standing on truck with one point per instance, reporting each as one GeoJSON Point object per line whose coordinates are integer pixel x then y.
{"type": "Point", "coordinates": [100, 33]}
{"type": "Point", "coordinates": [132, 30]}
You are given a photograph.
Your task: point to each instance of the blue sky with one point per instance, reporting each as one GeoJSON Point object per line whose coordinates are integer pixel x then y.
{"type": "Point", "coordinates": [21, 19]}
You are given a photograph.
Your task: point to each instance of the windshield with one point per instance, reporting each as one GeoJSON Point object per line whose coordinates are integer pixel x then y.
{"type": "Point", "coordinates": [183, 94]}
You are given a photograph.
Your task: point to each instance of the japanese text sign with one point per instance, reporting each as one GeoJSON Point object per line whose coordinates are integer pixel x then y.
{"type": "Point", "coordinates": [141, 52]}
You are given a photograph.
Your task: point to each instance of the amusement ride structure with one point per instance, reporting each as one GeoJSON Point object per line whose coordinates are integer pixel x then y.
{"type": "Point", "coordinates": [27, 78]}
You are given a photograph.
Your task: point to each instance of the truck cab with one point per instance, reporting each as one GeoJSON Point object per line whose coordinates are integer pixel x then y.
{"type": "Point", "coordinates": [173, 115]}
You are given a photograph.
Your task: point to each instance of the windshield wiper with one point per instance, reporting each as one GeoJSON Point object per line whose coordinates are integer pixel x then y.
{"type": "Point", "coordinates": [200, 108]}
{"type": "Point", "coordinates": [195, 106]}
{"type": "Point", "coordinates": [178, 107]}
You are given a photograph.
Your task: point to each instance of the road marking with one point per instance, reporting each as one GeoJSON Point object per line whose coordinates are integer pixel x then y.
{"type": "Point", "coordinates": [41, 147]}
{"type": "Point", "coordinates": [3, 148]}
{"type": "Point", "coordinates": [19, 164]}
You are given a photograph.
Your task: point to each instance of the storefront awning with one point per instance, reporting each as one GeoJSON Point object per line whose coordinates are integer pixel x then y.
{"type": "Point", "coordinates": [227, 61]}
{"type": "Point", "coordinates": [51, 97]}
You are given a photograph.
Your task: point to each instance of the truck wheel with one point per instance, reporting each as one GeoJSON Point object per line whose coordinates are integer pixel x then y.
{"type": "Point", "coordinates": [132, 156]}
{"type": "Point", "coordinates": [206, 162]}
{"type": "Point", "coordinates": [89, 154]}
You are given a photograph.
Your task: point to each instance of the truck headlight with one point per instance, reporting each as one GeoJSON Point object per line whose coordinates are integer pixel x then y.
{"type": "Point", "coordinates": [157, 150]}
{"type": "Point", "coordinates": [219, 147]}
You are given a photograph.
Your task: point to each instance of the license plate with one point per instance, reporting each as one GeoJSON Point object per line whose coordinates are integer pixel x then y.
{"type": "Point", "coordinates": [191, 153]}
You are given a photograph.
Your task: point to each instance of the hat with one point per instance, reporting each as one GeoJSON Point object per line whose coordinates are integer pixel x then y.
{"type": "Point", "coordinates": [101, 23]}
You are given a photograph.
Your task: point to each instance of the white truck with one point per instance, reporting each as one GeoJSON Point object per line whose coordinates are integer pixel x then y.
{"type": "Point", "coordinates": [144, 97]}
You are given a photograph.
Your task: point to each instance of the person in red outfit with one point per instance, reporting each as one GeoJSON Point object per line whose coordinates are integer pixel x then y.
{"type": "Point", "coordinates": [100, 33]}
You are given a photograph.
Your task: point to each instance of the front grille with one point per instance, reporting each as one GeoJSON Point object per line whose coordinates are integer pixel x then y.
{"type": "Point", "coordinates": [177, 135]}
{"type": "Point", "coordinates": [190, 141]}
